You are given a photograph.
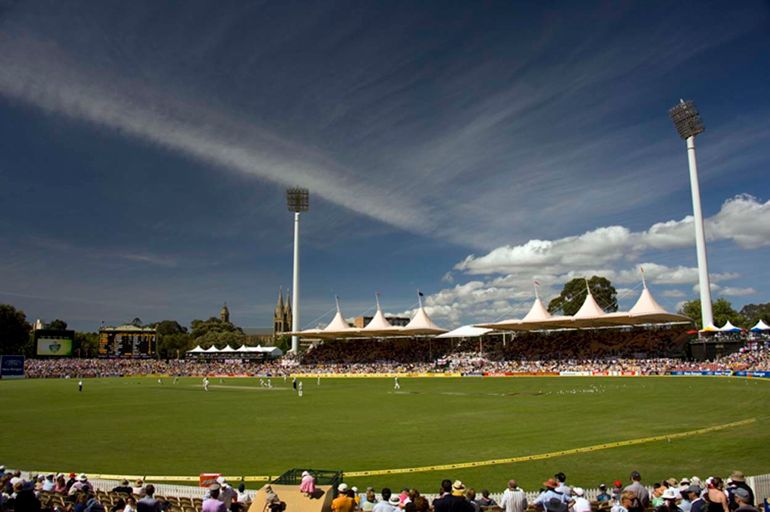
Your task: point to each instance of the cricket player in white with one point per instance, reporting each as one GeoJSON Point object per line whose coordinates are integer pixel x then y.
{"type": "Point", "coordinates": [205, 383]}
{"type": "Point", "coordinates": [396, 385]}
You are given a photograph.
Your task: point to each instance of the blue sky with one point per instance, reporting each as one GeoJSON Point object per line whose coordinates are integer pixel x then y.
{"type": "Point", "coordinates": [462, 148]}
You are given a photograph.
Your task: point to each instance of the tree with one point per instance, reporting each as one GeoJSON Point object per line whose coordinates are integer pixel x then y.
{"type": "Point", "coordinates": [753, 313]}
{"type": "Point", "coordinates": [169, 327]}
{"type": "Point", "coordinates": [721, 309]}
{"type": "Point", "coordinates": [573, 295]}
{"type": "Point", "coordinates": [216, 332]}
{"type": "Point", "coordinates": [57, 325]}
{"type": "Point", "coordinates": [137, 322]}
{"type": "Point", "coordinates": [169, 344]}
{"type": "Point", "coordinates": [14, 330]}
{"type": "Point", "coordinates": [88, 343]}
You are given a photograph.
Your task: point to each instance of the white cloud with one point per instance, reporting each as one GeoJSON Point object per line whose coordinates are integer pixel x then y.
{"type": "Point", "coordinates": [742, 219]}
{"type": "Point", "coordinates": [737, 292]}
{"type": "Point", "coordinates": [674, 294]}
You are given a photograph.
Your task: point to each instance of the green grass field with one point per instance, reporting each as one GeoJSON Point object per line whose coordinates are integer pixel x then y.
{"type": "Point", "coordinates": [137, 426]}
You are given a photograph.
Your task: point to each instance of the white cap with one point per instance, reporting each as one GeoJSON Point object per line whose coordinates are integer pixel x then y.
{"type": "Point", "coordinates": [343, 487]}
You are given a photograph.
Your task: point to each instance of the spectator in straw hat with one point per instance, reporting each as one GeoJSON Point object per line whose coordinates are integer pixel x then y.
{"type": "Point", "coordinates": [453, 500]}
{"type": "Point", "coordinates": [738, 481]}
{"type": "Point", "coordinates": [548, 499]}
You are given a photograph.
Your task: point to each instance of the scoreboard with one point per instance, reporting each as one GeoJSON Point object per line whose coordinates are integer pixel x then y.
{"type": "Point", "coordinates": [127, 342]}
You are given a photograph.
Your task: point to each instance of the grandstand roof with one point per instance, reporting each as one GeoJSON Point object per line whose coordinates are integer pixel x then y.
{"type": "Point", "coordinates": [465, 331]}
{"type": "Point", "coordinates": [421, 324]}
{"type": "Point", "coordinates": [590, 315]}
{"type": "Point", "coordinates": [379, 325]}
{"type": "Point", "coordinates": [196, 350]}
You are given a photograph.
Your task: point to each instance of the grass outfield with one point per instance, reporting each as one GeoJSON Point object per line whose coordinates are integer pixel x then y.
{"type": "Point", "coordinates": [137, 426]}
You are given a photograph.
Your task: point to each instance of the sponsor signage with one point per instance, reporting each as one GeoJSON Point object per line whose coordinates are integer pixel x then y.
{"type": "Point", "coordinates": [11, 367]}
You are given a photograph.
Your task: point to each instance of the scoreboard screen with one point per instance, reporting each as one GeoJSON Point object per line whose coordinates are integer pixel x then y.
{"type": "Point", "coordinates": [126, 344]}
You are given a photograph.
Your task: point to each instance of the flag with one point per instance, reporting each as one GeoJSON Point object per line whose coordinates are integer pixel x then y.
{"type": "Point", "coordinates": [420, 294]}
{"type": "Point", "coordinates": [537, 283]}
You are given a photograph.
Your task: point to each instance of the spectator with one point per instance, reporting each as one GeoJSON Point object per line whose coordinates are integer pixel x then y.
{"type": "Point", "coordinates": [93, 505]}
{"type": "Point", "coordinates": [454, 500]}
{"type": "Point", "coordinates": [243, 495]}
{"type": "Point", "coordinates": [385, 505]}
{"type": "Point", "coordinates": [470, 495]}
{"type": "Point", "coordinates": [485, 501]}
{"type": "Point", "coordinates": [563, 487]}
{"type": "Point", "coordinates": [138, 487]}
{"type": "Point", "coordinates": [123, 488]}
{"type": "Point", "coordinates": [743, 500]}
{"type": "Point", "coordinates": [656, 499]}
{"type": "Point", "coordinates": [148, 503]}
{"type": "Point", "coordinates": [49, 484]}
{"type": "Point", "coordinates": [514, 499]}
{"type": "Point", "coordinates": [61, 485]}
{"type": "Point", "coordinates": [738, 481]}
{"type": "Point", "coordinates": [625, 502]}
{"type": "Point", "coordinates": [581, 503]}
{"type": "Point", "coordinates": [212, 503]}
{"type": "Point", "coordinates": [307, 484]}
{"type": "Point", "coordinates": [119, 506]}
{"type": "Point", "coordinates": [603, 494]}
{"type": "Point", "coordinates": [716, 500]}
{"type": "Point", "coordinates": [640, 492]}
{"type": "Point", "coordinates": [694, 496]}
{"type": "Point", "coordinates": [343, 502]}
{"type": "Point", "coordinates": [669, 501]}
{"type": "Point", "coordinates": [369, 501]}
{"type": "Point", "coordinates": [130, 504]}
{"type": "Point", "coordinates": [549, 499]}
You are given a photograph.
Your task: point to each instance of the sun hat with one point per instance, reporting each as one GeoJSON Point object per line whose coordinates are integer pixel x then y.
{"type": "Point", "coordinates": [343, 487]}
{"type": "Point", "coordinates": [82, 477]}
{"type": "Point", "coordinates": [694, 488]}
{"type": "Point", "coordinates": [737, 476]}
{"type": "Point", "coordinates": [394, 500]}
{"type": "Point", "coordinates": [578, 491]}
{"type": "Point", "coordinates": [669, 494]}
{"type": "Point", "coordinates": [214, 487]}
{"type": "Point", "coordinates": [551, 483]}
{"type": "Point", "coordinates": [602, 486]}
{"type": "Point", "coordinates": [220, 480]}
{"type": "Point", "coordinates": [354, 489]}
{"type": "Point", "coordinates": [672, 482]}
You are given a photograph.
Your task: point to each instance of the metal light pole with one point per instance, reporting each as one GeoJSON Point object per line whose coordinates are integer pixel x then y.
{"type": "Point", "coordinates": [689, 124]}
{"type": "Point", "coordinates": [298, 201]}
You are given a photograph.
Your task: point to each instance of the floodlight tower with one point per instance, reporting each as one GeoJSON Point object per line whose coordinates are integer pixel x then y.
{"type": "Point", "coordinates": [298, 201]}
{"type": "Point", "coordinates": [689, 124]}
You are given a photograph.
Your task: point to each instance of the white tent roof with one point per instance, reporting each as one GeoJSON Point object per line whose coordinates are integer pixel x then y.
{"type": "Point", "coordinates": [379, 325]}
{"type": "Point", "coordinates": [761, 326]}
{"type": "Point", "coordinates": [196, 350]}
{"type": "Point", "coordinates": [729, 327]}
{"type": "Point", "coordinates": [228, 348]}
{"type": "Point", "coordinates": [212, 350]}
{"type": "Point", "coordinates": [243, 348]}
{"type": "Point", "coordinates": [421, 324]}
{"type": "Point", "coordinates": [466, 331]}
{"type": "Point", "coordinates": [590, 315]}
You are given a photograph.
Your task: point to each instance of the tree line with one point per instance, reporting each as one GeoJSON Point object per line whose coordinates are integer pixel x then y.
{"type": "Point", "coordinates": [173, 338]}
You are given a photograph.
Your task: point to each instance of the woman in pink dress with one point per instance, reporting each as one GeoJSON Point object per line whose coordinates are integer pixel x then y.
{"type": "Point", "coordinates": [307, 486]}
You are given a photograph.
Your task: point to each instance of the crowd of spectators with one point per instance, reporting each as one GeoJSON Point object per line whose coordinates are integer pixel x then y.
{"type": "Point", "coordinates": [612, 351]}
{"type": "Point", "coordinates": [59, 493]}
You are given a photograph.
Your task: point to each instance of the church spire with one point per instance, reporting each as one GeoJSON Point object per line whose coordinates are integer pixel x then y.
{"type": "Point", "coordinates": [224, 314]}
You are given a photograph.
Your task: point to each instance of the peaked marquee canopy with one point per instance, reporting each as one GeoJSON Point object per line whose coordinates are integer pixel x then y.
{"type": "Point", "coordinates": [591, 315]}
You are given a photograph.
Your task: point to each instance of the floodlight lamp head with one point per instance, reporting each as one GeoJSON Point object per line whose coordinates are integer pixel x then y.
{"type": "Point", "coordinates": [686, 119]}
{"type": "Point", "coordinates": [298, 199]}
